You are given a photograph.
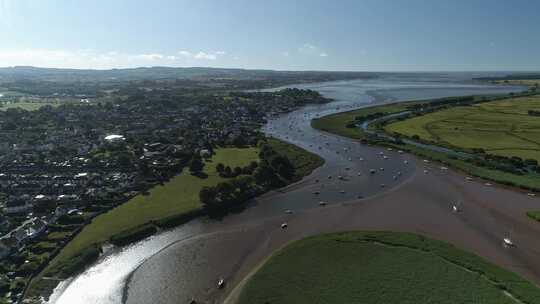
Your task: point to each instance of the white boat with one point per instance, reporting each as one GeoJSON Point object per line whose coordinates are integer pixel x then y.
{"type": "Point", "coordinates": [321, 203]}
{"type": "Point", "coordinates": [508, 242]}
{"type": "Point", "coordinates": [284, 225]}
{"type": "Point", "coordinates": [288, 211]}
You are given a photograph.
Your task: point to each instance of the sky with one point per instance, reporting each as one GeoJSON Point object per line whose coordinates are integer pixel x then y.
{"type": "Point", "coordinates": [352, 35]}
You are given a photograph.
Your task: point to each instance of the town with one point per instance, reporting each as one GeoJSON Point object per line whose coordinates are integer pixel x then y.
{"type": "Point", "coordinates": [62, 165]}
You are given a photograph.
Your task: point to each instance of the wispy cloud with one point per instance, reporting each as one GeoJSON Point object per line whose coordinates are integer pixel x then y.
{"type": "Point", "coordinates": [312, 50]}
{"type": "Point", "coordinates": [150, 57]}
{"type": "Point", "coordinates": [100, 60]}
{"type": "Point", "coordinates": [201, 55]}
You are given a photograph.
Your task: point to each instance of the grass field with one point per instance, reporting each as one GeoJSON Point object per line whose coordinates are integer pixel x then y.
{"type": "Point", "coordinates": [500, 127]}
{"type": "Point", "coordinates": [29, 106]}
{"type": "Point", "coordinates": [304, 162]}
{"type": "Point", "coordinates": [535, 215]}
{"type": "Point", "coordinates": [528, 82]}
{"type": "Point", "coordinates": [381, 267]}
{"type": "Point", "coordinates": [337, 123]}
{"type": "Point", "coordinates": [180, 195]}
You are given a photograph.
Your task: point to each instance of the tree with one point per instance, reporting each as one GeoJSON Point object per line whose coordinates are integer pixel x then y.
{"type": "Point", "coordinates": [220, 167]}
{"type": "Point", "coordinates": [227, 172]}
{"type": "Point", "coordinates": [237, 171]}
{"type": "Point", "coordinates": [207, 195]}
{"type": "Point", "coordinates": [196, 165]}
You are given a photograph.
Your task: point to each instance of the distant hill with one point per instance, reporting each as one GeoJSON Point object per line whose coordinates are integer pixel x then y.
{"type": "Point", "coordinates": [516, 76]}
{"type": "Point", "coordinates": [27, 73]}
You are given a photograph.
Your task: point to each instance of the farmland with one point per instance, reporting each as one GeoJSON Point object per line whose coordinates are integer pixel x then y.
{"type": "Point", "coordinates": [501, 127]}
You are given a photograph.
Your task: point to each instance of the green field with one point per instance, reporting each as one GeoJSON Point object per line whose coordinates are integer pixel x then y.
{"type": "Point", "coordinates": [528, 82]}
{"type": "Point", "coordinates": [29, 106]}
{"type": "Point", "coordinates": [179, 195]}
{"type": "Point", "coordinates": [304, 162]}
{"type": "Point", "coordinates": [381, 267]}
{"type": "Point", "coordinates": [337, 123]}
{"type": "Point", "coordinates": [535, 215]}
{"type": "Point", "coordinates": [499, 127]}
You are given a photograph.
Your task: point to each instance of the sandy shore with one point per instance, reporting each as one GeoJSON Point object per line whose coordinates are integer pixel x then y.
{"type": "Point", "coordinates": [410, 201]}
{"type": "Point", "coordinates": [421, 204]}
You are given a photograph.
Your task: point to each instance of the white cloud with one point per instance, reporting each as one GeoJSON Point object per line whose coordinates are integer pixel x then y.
{"type": "Point", "coordinates": [101, 60]}
{"type": "Point", "coordinates": [185, 53]}
{"type": "Point", "coordinates": [207, 56]}
{"type": "Point", "coordinates": [201, 55]}
{"type": "Point", "coordinates": [312, 50]}
{"type": "Point", "coordinates": [150, 57]}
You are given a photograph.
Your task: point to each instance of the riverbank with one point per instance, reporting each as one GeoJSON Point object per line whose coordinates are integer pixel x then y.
{"type": "Point", "coordinates": [381, 267]}
{"type": "Point", "coordinates": [375, 130]}
{"type": "Point", "coordinates": [187, 262]}
{"type": "Point", "coordinates": [166, 206]}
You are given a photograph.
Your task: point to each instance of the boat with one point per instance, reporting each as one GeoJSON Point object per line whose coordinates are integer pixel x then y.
{"type": "Point", "coordinates": [221, 283]}
{"type": "Point", "coordinates": [508, 242]}
{"type": "Point", "coordinates": [284, 225]}
{"type": "Point", "coordinates": [321, 203]}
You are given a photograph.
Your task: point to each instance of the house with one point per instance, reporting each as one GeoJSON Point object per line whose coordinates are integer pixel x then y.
{"type": "Point", "coordinates": [5, 249]}
{"type": "Point", "coordinates": [17, 206]}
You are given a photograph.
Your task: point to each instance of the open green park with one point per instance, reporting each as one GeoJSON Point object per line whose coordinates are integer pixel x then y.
{"type": "Point", "coordinates": [381, 267]}
{"type": "Point", "coordinates": [175, 199]}
{"type": "Point", "coordinates": [501, 127]}
{"type": "Point", "coordinates": [179, 195]}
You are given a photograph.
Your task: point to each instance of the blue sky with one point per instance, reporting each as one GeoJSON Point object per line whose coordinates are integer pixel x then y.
{"type": "Point", "coordinates": [367, 35]}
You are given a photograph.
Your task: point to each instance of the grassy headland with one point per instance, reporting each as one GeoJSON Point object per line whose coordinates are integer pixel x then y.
{"type": "Point", "coordinates": [343, 124]}
{"type": "Point", "coordinates": [503, 116]}
{"type": "Point", "coordinates": [179, 195]}
{"type": "Point", "coordinates": [304, 162]}
{"type": "Point", "coordinates": [382, 267]}
{"type": "Point", "coordinates": [164, 206]}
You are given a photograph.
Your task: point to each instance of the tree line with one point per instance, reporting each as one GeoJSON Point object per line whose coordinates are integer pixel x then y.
{"type": "Point", "coordinates": [274, 170]}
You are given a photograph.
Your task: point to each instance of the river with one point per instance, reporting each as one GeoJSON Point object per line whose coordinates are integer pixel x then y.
{"type": "Point", "coordinates": [182, 263]}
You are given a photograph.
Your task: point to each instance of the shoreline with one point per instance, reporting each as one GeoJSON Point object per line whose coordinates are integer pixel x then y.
{"type": "Point", "coordinates": [292, 189]}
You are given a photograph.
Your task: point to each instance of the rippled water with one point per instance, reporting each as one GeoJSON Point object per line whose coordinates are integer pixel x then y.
{"type": "Point", "coordinates": [104, 281]}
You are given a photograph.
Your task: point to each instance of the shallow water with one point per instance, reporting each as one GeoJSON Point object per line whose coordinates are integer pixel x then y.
{"type": "Point", "coordinates": [104, 281]}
